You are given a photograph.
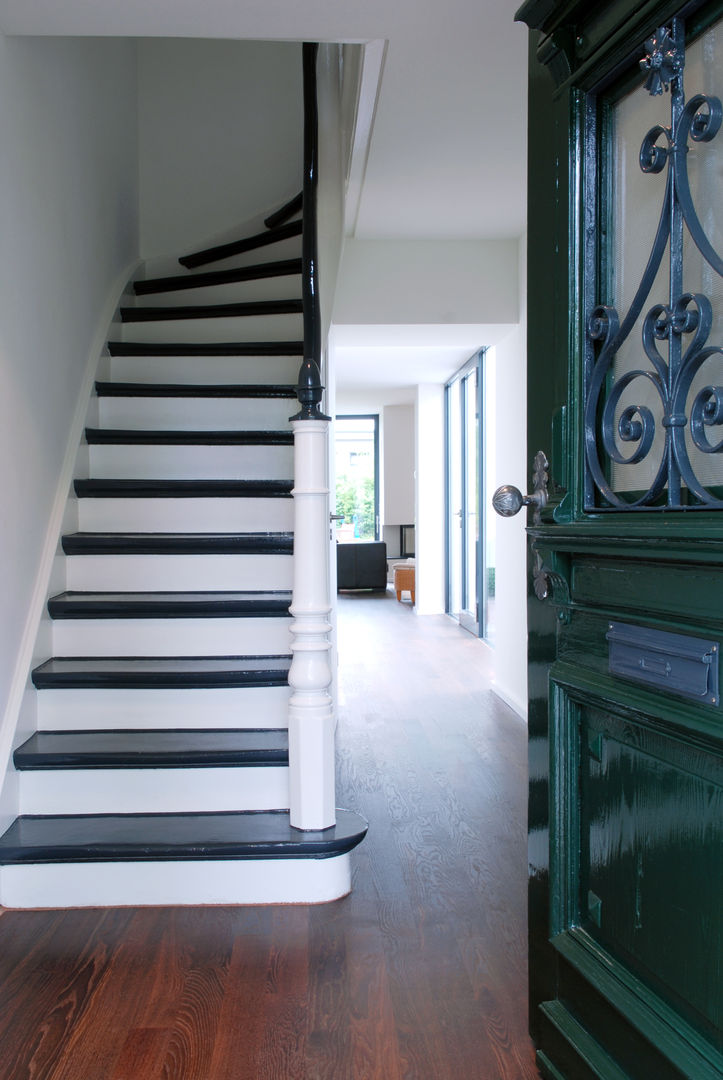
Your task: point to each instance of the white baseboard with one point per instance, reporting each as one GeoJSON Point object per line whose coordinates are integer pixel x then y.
{"type": "Point", "coordinates": [516, 704]}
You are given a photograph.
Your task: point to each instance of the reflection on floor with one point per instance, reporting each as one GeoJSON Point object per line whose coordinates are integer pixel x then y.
{"type": "Point", "coordinates": [438, 765]}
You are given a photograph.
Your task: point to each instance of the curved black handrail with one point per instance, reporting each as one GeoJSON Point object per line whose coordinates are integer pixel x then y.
{"type": "Point", "coordinates": [309, 389]}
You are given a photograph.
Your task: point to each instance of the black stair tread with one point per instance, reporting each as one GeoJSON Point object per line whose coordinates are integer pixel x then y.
{"type": "Point", "coordinates": [260, 834]}
{"type": "Point", "coordinates": [167, 437]}
{"type": "Point", "coordinates": [182, 489]}
{"type": "Point", "coordinates": [180, 282]}
{"type": "Point", "coordinates": [195, 390]}
{"type": "Point", "coordinates": [150, 749]}
{"type": "Point", "coordinates": [163, 672]}
{"type": "Point", "coordinates": [212, 311]}
{"type": "Point", "coordinates": [293, 206]}
{"type": "Point", "coordinates": [237, 247]}
{"type": "Point", "coordinates": [174, 605]}
{"type": "Point", "coordinates": [173, 543]}
{"type": "Point", "coordinates": [210, 348]}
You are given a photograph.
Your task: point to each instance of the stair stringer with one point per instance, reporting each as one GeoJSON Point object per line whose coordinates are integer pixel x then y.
{"type": "Point", "coordinates": [19, 719]}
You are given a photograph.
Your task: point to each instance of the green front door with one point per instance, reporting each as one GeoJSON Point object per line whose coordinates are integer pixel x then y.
{"type": "Point", "coordinates": [626, 556]}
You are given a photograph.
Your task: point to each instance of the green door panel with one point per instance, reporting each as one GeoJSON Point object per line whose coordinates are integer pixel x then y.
{"type": "Point", "coordinates": [652, 875]}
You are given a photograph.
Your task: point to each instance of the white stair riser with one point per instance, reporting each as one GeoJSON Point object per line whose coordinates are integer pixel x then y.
{"type": "Point", "coordinates": [213, 370]}
{"type": "Point", "coordinates": [145, 462]}
{"type": "Point", "coordinates": [116, 710]}
{"type": "Point", "coordinates": [186, 515]}
{"type": "Point", "coordinates": [196, 414]}
{"type": "Point", "coordinates": [139, 573]}
{"type": "Point", "coordinates": [287, 327]}
{"type": "Point", "coordinates": [223, 881]}
{"type": "Point", "coordinates": [287, 287]}
{"type": "Point", "coordinates": [153, 791]}
{"type": "Point", "coordinates": [171, 637]}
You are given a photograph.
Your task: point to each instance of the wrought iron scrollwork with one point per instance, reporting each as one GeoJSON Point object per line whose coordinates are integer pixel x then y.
{"type": "Point", "coordinates": [622, 433]}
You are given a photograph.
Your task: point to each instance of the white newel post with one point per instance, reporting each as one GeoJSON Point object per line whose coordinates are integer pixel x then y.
{"type": "Point", "coordinates": [311, 716]}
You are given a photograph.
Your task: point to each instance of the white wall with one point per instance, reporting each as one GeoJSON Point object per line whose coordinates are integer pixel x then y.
{"type": "Point", "coordinates": [428, 282]}
{"type": "Point", "coordinates": [68, 199]}
{"type": "Point", "coordinates": [430, 515]}
{"type": "Point", "coordinates": [221, 130]}
{"type": "Point", "coordinates": [510, 679]}
{"type": "Point", "coordinates": [399, 464]}
{"type": "Point", "coordinates": [330, 196]}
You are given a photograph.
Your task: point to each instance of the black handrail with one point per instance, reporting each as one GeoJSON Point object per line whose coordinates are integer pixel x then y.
{"type": "Point", "coordinates": [309, 389]}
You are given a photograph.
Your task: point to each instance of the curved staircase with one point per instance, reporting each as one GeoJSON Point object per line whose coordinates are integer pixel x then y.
{"type": "Point", "coordinates": [159, 773]}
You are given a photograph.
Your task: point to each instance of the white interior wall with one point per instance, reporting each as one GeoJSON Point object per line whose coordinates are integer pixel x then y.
{"type": "Point", "coordinates": [398, 464]}
{"type": "Point", "coordinates": [510, 679]}
{"type": "Point", "coordinates": [69, 204]}
{"type": "Point", "coordinates": [427, 282]}
{"type": "Point", "coordinates": [220, 135]}
{"type": "Point", "coordinates": [330, 195]}
{"type": "Point", "coordinates": [429, 496]}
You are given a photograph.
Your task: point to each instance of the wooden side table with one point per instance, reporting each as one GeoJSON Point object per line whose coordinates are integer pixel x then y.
{"type": "Point", "coordinates": [404, 581]}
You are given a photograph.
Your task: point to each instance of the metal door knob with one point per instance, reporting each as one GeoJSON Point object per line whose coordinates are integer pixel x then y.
{"type": "Point", "coordinates": [509, 500]}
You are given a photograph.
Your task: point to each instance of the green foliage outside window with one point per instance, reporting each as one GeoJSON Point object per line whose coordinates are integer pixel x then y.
{"type": "Point", "coordinates": [355, 500]}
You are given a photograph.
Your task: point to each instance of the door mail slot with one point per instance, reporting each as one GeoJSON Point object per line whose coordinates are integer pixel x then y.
{"type": "Point", "coordinates": [671, 662]}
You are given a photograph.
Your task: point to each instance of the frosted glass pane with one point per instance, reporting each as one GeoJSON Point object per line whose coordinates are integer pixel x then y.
{"type": "Point", "coordinates": [637, 203]}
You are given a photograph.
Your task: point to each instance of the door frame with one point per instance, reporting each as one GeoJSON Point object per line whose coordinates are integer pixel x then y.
{"type": "Point", "coordinates": [375, 418]}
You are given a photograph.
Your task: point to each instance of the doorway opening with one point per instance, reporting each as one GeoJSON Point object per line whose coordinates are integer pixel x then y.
{"type": "Point", "coordinates": [356, 458]}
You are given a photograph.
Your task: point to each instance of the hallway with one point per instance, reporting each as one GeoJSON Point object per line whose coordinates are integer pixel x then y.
{"type": "Point", "coordinates": [438, 766]}
{"type": "Point", "coordinates": [419, 975]}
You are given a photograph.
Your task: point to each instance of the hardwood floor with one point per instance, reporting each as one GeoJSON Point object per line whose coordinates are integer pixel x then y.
{"type": "Point", "coordinates": [420, 974]}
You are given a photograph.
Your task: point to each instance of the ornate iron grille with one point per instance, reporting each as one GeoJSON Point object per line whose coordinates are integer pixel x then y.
{"type": "Point", "coordinates": [619, 434]}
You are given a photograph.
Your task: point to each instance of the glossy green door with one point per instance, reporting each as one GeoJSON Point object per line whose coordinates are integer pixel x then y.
{"type": "Point", "coordinates": [626, 400]}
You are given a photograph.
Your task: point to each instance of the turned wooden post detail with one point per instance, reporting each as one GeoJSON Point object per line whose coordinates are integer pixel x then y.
{"type": "Point", "coordinates": [311, 716]}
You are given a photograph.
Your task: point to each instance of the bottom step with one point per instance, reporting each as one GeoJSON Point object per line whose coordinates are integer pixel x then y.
{"type": "Point", "coordinates": [229, 858]}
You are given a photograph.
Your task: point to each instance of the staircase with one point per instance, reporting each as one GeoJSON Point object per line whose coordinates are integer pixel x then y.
{"type": "Point", "coordinates": [160, 769]}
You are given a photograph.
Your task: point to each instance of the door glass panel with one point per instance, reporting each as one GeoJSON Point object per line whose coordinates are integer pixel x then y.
{"type": "Point", "coordinates": [454, 441]}
{"type": "Point", "coordinates": [356, 460]}
{"type": "Point", "coordinates": [471, 518]}
{"type": "Point", "coordinates": [657, 409]}
{"type": "Point", "coordinates": [705, 172]}
{"type": "Point", "coordinates": [489, 519]}
{"type": "Point", "coordinates": [638, 198]}
{"type": "Point", "coordinates": [470, 445]}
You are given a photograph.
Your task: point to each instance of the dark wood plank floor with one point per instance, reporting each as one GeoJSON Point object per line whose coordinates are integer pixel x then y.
{"type": "Point", "coordinates": [420, 974]}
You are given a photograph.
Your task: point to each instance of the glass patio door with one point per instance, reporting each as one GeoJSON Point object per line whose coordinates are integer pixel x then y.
{"type": "Point", "coordinates": [465, 553]}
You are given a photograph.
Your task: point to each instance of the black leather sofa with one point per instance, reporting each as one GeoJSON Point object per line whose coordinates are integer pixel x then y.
{"type": "Point", "coordinates": [362, 565]}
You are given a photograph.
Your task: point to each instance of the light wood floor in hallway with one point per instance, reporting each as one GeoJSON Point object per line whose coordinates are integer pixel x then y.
{"type": "Point", "coordinates": [420, 974]}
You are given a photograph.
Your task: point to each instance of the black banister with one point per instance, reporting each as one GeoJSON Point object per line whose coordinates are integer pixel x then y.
{"type": "Point", "coordinates": [310, 389]}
